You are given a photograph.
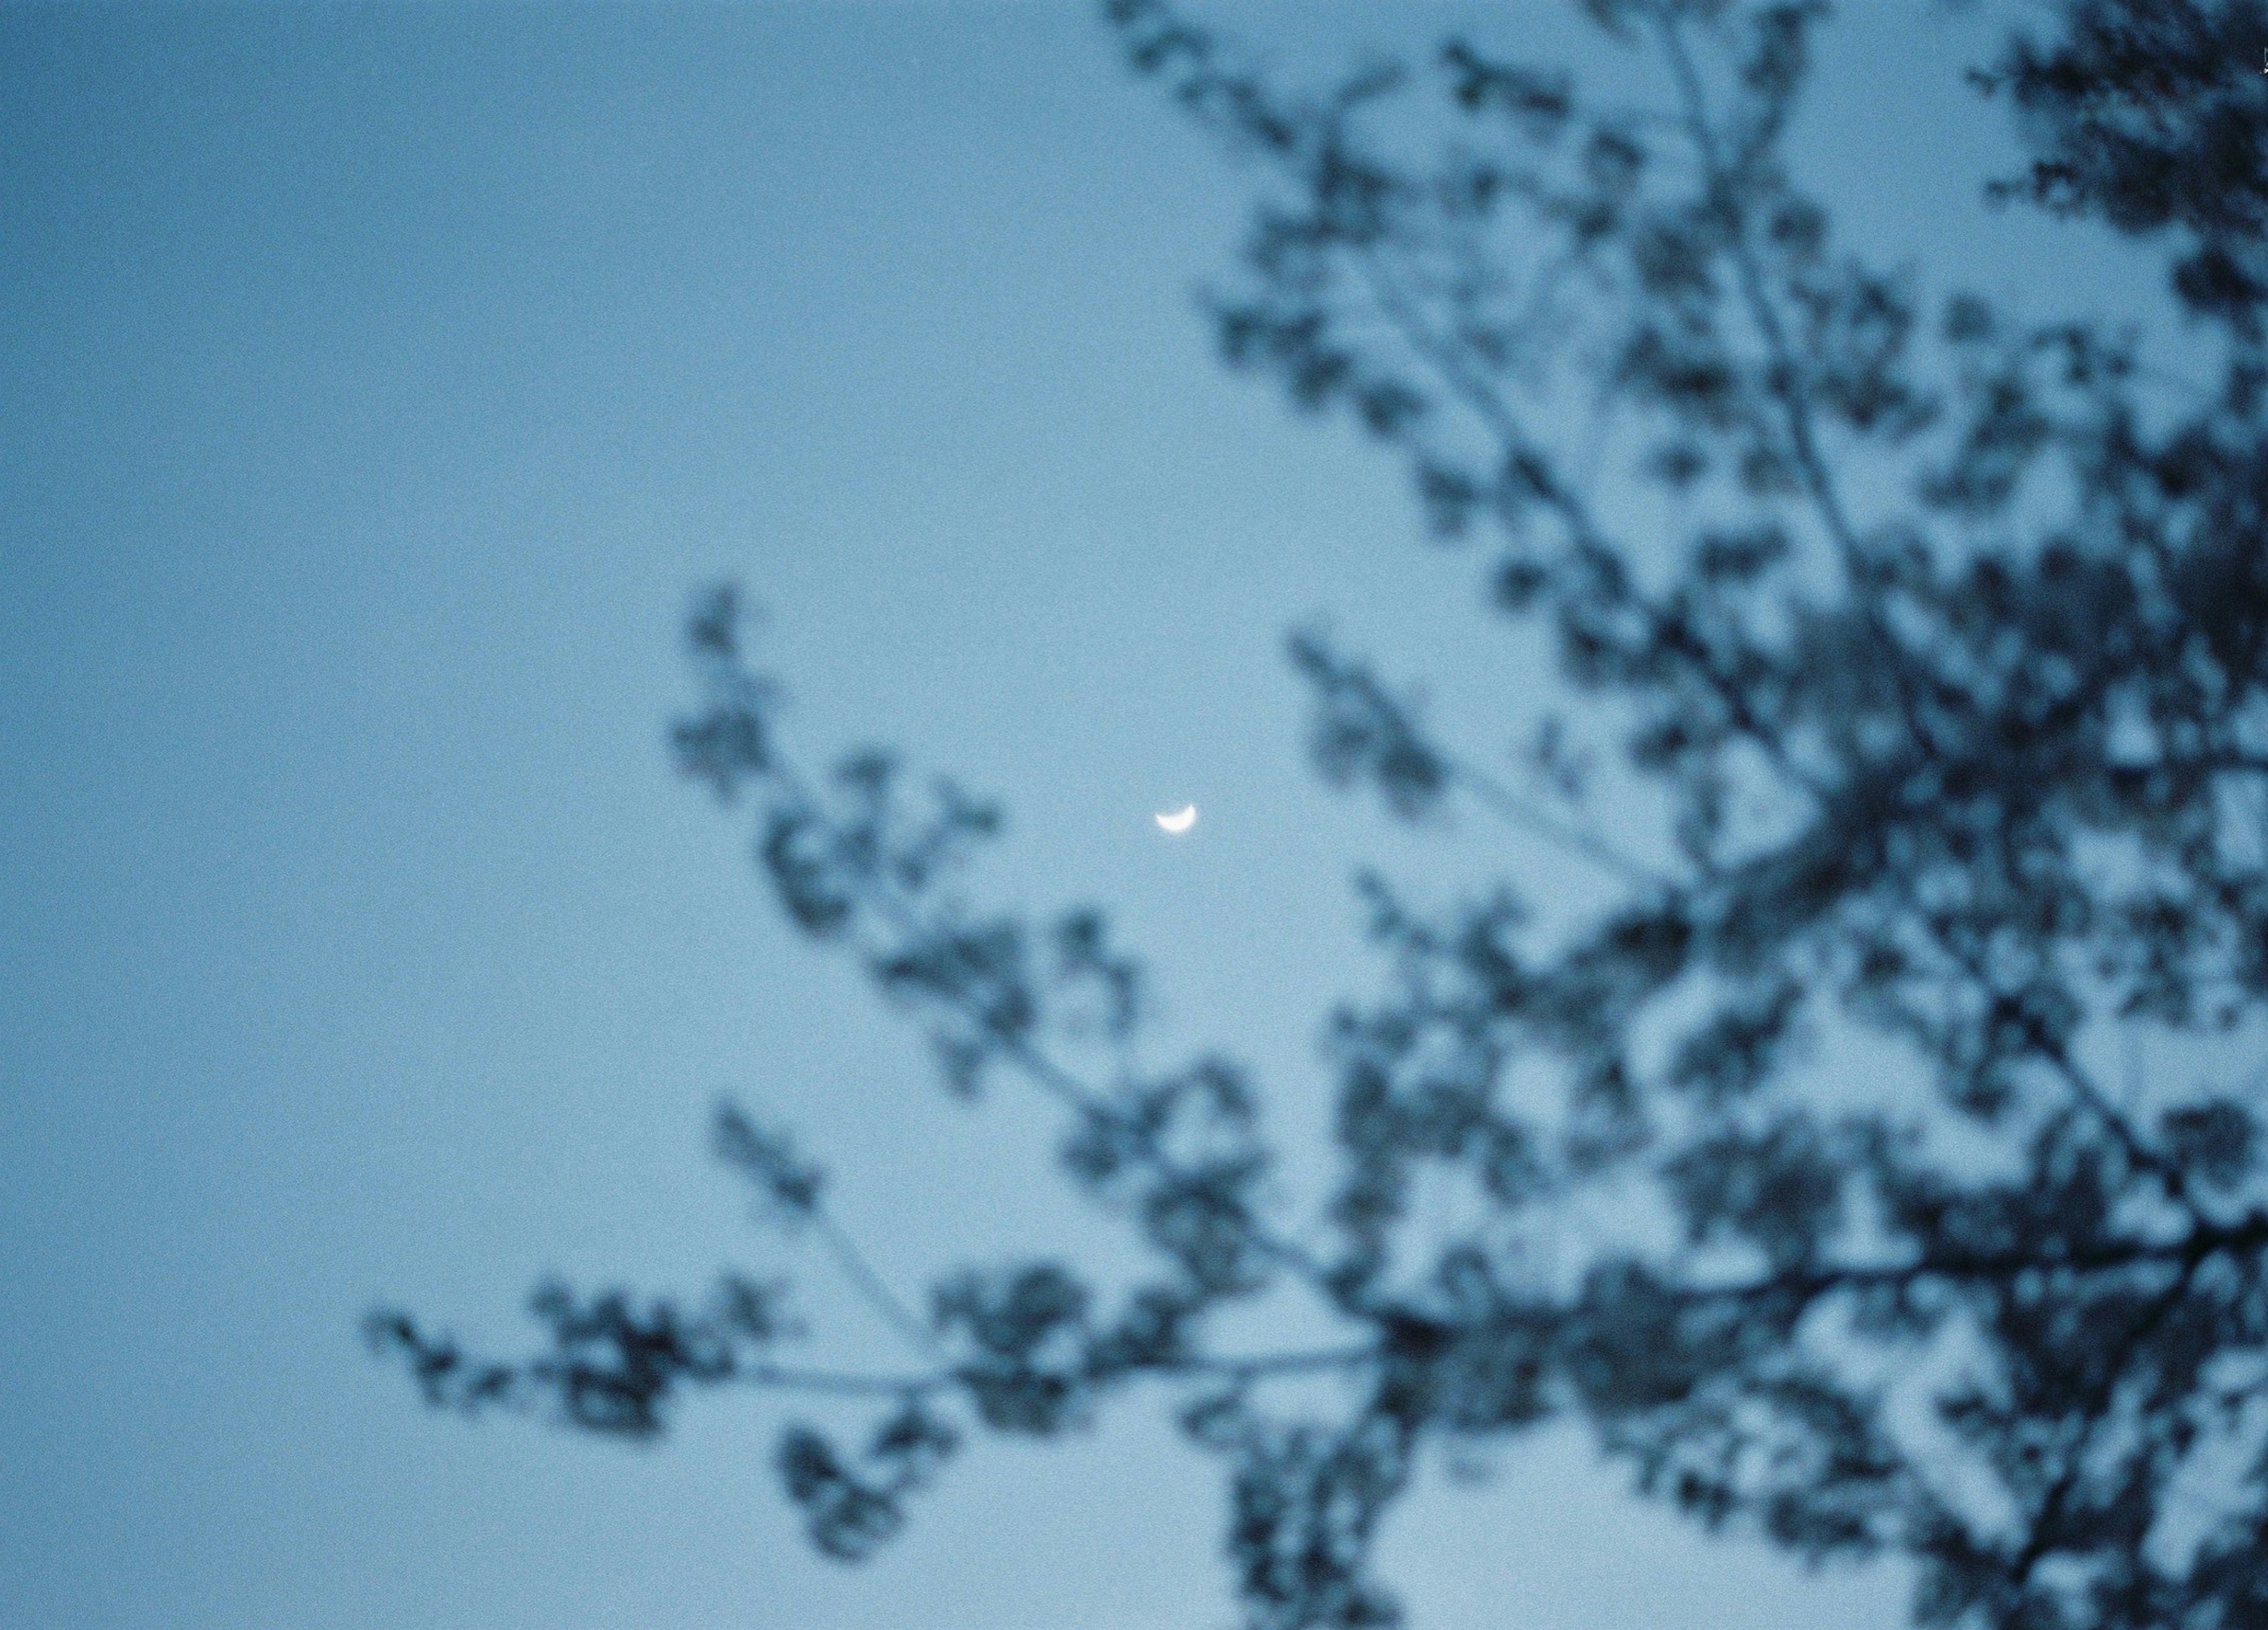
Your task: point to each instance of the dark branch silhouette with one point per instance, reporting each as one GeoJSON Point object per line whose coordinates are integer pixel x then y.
{"type": "Point", "coordinates": [1943, 662]}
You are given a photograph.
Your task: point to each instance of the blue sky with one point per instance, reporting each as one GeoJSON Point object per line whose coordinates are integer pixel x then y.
{"type": "Point", "coordinates": [376, 385]}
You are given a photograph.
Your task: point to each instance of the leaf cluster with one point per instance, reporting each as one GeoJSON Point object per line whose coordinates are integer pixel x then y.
{"type": "Point", "coordinates": [1798, 1165]}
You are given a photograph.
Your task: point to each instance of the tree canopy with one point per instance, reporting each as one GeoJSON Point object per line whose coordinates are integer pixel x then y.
{"type": "Point", "coordinates": [1912, 748]}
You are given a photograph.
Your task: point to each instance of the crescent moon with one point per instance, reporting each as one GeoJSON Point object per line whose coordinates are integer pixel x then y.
{"type": "Point", "coordinates": [1181, 821]}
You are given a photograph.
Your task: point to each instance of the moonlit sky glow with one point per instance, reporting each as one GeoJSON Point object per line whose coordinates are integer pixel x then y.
{"type": "Point", "coordinates": [376, 386]}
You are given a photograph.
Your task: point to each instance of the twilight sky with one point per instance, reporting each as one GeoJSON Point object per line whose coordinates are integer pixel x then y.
{"type": "Point", "coordinates": [375, 384]}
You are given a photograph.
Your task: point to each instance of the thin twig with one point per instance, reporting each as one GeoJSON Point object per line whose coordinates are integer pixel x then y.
{"type": "Point", "coordinates": [871, 1286]}
{"type": "Point", "coordinates": [1509, 804]}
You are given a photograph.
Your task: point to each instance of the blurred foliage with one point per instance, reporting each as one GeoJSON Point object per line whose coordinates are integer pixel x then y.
{"type": "Point", "coordinates": [1798, 1169]}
